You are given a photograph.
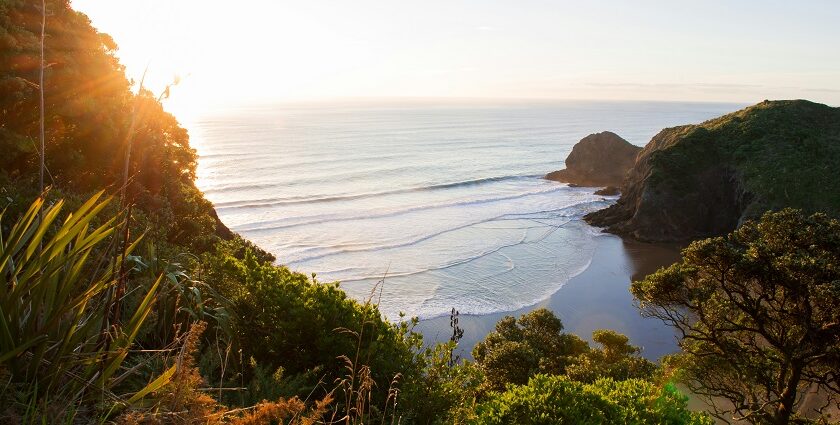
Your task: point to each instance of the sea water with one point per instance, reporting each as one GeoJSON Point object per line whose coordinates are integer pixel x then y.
{"type": "Point", "coordinates": [419, 206]}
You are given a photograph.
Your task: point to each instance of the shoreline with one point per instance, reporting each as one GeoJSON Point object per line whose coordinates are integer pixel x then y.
{"type": "Point", "coordinates": [597, 298]}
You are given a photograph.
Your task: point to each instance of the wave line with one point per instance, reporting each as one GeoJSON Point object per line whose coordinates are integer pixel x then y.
{"type": "Point", "coordinates": [346, 197]}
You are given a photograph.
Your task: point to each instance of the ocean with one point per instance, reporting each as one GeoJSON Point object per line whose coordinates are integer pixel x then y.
{"type": "Point", "coordinates": [419, 206]}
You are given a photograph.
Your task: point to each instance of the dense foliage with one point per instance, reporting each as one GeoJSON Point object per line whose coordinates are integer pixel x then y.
{"type": "Point", "coordinates": [783, 152]}
{"type": "Point", "coordinates": [290, 321]}
{"type": "Point", "coordinates": [529, 372]}
{"type": "Point", "coordinates": [517, 350]}
{"type": "Point", "coordinates": [615, 358]}
{"type": "Point", "coordinates": [549, 400]}
{"type": "Point", "coordinates": [535, 344]}
{"type": "Point", "coordinates": [91, 117]}
{"type": "Point", "coordinates": [759, 315]}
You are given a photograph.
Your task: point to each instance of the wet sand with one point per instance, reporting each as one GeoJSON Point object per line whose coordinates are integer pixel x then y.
{"type": "Point", "coordinates": [598, 298]}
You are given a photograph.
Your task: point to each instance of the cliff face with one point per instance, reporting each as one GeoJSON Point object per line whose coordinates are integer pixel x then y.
{"type": "Point", "coordinates": [702, 180]}
{"type": "Point", "coordinates": [600, 159]}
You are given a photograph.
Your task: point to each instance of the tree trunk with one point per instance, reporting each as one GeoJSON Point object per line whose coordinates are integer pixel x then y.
{"type": "Point", "coordinates": [788, 397]}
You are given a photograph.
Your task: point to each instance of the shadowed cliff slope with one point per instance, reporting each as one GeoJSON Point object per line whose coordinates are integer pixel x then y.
{"type": "Point", "coordinates": [695, 181]}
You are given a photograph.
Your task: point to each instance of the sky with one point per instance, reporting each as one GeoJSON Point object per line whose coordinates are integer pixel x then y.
{"type": "Point", "coordinates": [244, 51]}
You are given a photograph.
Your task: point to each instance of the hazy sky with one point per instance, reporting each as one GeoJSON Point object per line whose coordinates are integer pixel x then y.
{"type": "Point", "coordinates": [246, 50]}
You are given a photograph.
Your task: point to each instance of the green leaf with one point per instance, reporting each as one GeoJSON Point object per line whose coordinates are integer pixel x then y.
{"type": "Point", "coordinates": [155, 385]}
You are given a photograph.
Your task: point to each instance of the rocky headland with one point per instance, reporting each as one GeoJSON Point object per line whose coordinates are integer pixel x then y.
{"type": "Point", "coordinates": [598, 160]}
{"type": "Point", "coordinates": [696, 181]}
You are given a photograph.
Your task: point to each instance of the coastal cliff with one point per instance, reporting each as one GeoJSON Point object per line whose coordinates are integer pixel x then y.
{"type": "Point", "coordinates": [600, 159]}
{"type": "Point", "coordinates": [702, 180]}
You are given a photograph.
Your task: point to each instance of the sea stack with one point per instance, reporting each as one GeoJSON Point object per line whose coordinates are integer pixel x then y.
{"type": "Point", "coordinates": [598, 160]}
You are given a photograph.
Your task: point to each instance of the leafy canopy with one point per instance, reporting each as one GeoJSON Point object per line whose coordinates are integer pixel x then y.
{"type": "Point", "coordinates": [759, 314]}
{"type": "Point", "coordinates": [534, 344]}
{"type": "Point", "coordinates": [557, 400]}
{"type": "Point", "coordinates": [517, 350]}
{"type": "Point", "coordinates": [615, 359]}
{"type": "Point", "coordinates": [284, 319]}
{"type": "Point", "coordinates": [89, 111]}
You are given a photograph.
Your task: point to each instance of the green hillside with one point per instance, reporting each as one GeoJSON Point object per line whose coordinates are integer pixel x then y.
{"type": "Point", "coordinates": [699, 180]}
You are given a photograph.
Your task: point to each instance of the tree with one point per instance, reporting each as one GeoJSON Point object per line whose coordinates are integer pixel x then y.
{"type": "Point", "coordinates": [517, 351]}
{"type": "Point", "coordinates": [616, 359]}
{"type": "Point", "coordinates": [758, 313]}
{"type": "Point", "coordinates": [62, 87]}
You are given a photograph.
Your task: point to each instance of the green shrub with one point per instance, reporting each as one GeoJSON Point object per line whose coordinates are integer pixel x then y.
{"type": "Point", "coordinates": [557, 400]}
{"type": "Point", "coordinates": [615, 359]}
{"type": "Point", "coordinates": [283, 319]}
{"type": "Point", "coordinates": [515, 351]}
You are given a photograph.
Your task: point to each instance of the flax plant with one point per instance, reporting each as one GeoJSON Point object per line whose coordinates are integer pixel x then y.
{"type": "Point", "coordinates": [52, 292]}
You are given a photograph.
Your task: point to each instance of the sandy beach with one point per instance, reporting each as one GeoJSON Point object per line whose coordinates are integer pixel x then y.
{"type": "Point", "coordinates": [597, 298]}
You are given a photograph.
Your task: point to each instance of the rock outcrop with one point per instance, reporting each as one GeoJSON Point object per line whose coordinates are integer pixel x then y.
{"type": "Point", "coordinates": [697, 181]}
{"type": "Point", "coordinates": [600, 159]}
{"type": "Point", "coordinates": [222, 230]}
{"type": "Point", "coordinates": [608, 191]}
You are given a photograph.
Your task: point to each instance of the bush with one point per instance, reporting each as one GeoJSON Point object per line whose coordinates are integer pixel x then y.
{"type": "Point", "coordinates": [557, 400]}
{"type": "Point", "coordinates": [283, 319]}
{"type": "Point", "coordinates": [615, 359]}
{"type": "Point", "coordinates": [535, 344]}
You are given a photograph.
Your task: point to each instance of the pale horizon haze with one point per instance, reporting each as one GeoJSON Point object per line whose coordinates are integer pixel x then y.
{"type": "Point", "coordinates": [279, 51]}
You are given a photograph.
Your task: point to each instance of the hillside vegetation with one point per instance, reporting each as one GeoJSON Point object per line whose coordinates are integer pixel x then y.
{"type": "Point", "coordinates": [701, 180]}
{"type": "Point", "coordinates": [91, 117]}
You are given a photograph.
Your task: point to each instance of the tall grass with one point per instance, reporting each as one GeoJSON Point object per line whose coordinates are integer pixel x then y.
{"type": "Point", "coordinates": [358, 384]}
